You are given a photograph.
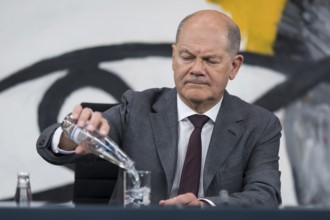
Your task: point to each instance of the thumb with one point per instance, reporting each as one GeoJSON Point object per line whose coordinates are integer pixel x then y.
{"type": "Point", "coordinates": [80, 150]}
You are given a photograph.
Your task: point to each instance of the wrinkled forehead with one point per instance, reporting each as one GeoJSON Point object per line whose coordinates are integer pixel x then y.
{"type": "Point", "coordinates": [209, 35]}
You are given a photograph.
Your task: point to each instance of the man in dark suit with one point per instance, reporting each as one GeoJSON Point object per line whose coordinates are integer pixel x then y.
{"type": "Point", "coordinates": [240, 141]}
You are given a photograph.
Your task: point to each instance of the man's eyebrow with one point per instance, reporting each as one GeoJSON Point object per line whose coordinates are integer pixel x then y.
{"type": "Point", "coordinates": [210, 56]}
{"type": "Point", "coordinates": [184, 50]}
{"type": "Point", "coordinates": [206, 56]}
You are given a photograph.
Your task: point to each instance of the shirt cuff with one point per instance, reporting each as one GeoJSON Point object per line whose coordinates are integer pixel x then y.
{"type": "Point", "coordinates": [207, 201]}
{"type": "Point", "coordinates": [56, 142]}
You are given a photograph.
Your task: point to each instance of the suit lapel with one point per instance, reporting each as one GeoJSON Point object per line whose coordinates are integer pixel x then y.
{"type": "Point", "coordinates": [166, 133]}
{"type": "Point", "coordinates": [225, 134]}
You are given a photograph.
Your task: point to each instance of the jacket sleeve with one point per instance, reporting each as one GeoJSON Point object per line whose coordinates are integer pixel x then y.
{"type": "Point", "coordinates": [44, 148]}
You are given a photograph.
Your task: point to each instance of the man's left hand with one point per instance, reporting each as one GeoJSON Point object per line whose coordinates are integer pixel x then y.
{"type": "Point", "coordinates": [184, 199]}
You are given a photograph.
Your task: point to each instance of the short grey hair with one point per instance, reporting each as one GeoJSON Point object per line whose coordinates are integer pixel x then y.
{"type": "Point", "coordinates": [234, 35]}
{"type": "Point", "coordinates": [234, 38]}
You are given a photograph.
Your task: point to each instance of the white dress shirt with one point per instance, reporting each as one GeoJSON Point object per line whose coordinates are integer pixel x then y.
{"type": "Point", "coordinates": [185, 129]}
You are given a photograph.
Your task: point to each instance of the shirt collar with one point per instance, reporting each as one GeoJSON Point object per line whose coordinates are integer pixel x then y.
{"type": "Point", "coordinates": [184, 111]}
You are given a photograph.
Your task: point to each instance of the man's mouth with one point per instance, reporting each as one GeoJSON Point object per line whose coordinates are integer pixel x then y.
{"type": "Point", "coordinates": [194, 82]}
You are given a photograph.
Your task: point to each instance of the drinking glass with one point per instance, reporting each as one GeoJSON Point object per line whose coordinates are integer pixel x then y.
{"type": "Point", "coordinates": [137, 194]}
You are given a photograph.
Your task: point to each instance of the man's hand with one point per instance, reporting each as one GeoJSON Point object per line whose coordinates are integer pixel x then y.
{"type": "Point", "coordinates": [184, 199]}
{"type": "Point", "coordinates": [89, 120]}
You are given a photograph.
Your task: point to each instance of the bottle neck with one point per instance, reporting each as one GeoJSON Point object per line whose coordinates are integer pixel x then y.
{"type": "Point", "coordinates": [23, 182]}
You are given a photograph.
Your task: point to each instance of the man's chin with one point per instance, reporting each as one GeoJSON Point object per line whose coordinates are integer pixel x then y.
{"type": "Point", "coordinates": [196, 99]}
{"type": "Point", "coordinates": [196, 94]}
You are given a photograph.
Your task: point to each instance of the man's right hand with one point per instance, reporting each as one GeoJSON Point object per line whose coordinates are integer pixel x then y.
{"type": "Point", "coordinates": [88, 119]}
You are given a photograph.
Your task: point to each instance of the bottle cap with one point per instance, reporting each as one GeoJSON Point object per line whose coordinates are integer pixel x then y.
{"type": "Point", "coordinates": [23, 174]}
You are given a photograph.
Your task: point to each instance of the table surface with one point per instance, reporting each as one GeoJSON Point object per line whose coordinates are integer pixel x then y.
{"type": "Point", "coordinates": [98, 212]}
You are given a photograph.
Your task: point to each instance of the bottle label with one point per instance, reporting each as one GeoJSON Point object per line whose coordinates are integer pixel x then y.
{"type": "Point", "coordinates": [77, 134]}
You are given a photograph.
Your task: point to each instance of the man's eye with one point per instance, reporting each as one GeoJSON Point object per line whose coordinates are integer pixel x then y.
{"type": "Point", "coordinates": [187, 57]}
{"type": "Point", "coordinates": [212, 61]}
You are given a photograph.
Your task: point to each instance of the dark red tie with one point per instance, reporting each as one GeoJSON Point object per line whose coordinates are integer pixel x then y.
{"type": "Point", "coordinates": [192, 165]}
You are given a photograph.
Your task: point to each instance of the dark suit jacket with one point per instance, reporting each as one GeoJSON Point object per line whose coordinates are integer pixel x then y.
{"type": "Point", "coordinates": [242, 157]}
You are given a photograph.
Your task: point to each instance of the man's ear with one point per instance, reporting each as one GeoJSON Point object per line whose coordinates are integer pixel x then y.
{"type": "Point", "coordinates": [173, 54]}
{"type": "Point", "coordinates": [236, 65]}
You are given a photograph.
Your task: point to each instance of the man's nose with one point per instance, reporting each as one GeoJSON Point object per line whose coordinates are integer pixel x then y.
{"type": "Point", "coordinates": [198, 67]}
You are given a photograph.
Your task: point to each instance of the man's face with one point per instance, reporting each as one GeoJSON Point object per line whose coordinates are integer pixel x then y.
{"type": "Point", "coordinates": [202, 66]}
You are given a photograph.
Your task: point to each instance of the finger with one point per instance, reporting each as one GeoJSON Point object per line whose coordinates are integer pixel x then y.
{"type": "Point", "coordinates": [167, 202]}
{"type": "Point", "coordinates": [76, 112]}
{"type": "Point", "coordinates": [84, 116]}
{"type": "Point", "coordinates": [97, 122]}
{"type": "Point", "coordinates": [104, 127]}
{"type": "Point", "coordinates": [81, 150]}
{"type": "Point", "coordinates": [164, 202]}
{"type": "Point", "coordinates": [94, 121]}
{"type": "Point", "coordinates": [172, 201]}
{"type": "Point", "coordinates": [183, 199]}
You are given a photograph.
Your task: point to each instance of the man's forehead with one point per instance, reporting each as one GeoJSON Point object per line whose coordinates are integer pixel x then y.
{"type": "Point", "coordinates": [202, 50]}
{"type": "Point", "coordinates": [203, 34]}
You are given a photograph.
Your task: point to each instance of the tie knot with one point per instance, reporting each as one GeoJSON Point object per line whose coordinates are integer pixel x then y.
{"type": "Point", "coordinates": [198, 120]}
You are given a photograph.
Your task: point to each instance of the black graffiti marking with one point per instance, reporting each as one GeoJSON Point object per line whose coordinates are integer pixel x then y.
{"type": "Point", "coordinates": [82, 66]}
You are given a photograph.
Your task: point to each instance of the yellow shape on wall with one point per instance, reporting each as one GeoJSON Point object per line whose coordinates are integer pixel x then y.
{"type": "Point", "coordinates": [257, 20]}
